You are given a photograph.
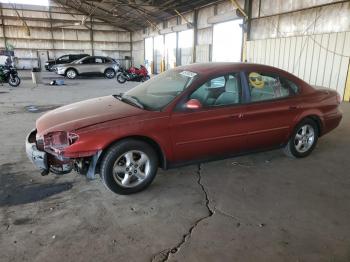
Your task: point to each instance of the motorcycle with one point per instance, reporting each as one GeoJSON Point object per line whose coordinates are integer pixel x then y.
{"type": "Point", "coordinates": [8, 74]}
{"type": "Point", "coordinates": [133, 74]}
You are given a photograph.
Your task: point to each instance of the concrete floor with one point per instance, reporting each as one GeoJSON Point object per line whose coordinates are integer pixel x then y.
{"type": "Point", "coordinates": [261, 207]}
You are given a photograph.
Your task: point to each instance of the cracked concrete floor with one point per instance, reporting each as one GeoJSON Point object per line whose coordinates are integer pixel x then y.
{"type": "Point", "coordinates": [261, 207]}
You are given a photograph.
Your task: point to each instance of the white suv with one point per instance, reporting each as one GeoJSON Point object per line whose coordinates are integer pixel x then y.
{"type": "Point", "coordinates": [90, 65]}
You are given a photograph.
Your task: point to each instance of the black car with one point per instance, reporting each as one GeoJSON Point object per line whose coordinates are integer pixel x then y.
{"type": "Point", "coordinates": [65, 59]}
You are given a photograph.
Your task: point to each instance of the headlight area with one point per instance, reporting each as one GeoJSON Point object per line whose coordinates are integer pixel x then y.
{"type": "Point", "coordinates": [62, 158]}
{"type": "Point", "coordinates": [55, 144]}
{"type": "Point", "coordinates": [59, 70]}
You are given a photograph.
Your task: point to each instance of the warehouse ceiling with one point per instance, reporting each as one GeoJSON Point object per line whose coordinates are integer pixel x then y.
{"type": "Point", "coordinates": [133, 14]}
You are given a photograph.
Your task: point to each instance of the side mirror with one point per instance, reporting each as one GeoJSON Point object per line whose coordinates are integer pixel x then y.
{"type": "Point", "coordinates": [193, 104]}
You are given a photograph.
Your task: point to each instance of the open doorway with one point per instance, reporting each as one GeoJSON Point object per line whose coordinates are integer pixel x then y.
{"type": "Point", "coordinates": [186, 46]}
{"type": "Point", "coordinates": [158, 53]}
{"type": "Point", "coordinates": [43, 56]}
{"type": "Point", "coordinates": [227, 41]}
{"type": "Point", "coordinates": [170, 50]}
{"type": "Point", "coordinates": [149, 54]}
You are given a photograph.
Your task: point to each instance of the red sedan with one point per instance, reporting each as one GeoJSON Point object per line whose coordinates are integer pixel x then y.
{"type": "Point", "coordinates": [189, 114]}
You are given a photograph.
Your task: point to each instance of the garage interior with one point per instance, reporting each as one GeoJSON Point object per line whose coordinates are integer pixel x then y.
{"type": "Point", "coordinates": [257, 207]}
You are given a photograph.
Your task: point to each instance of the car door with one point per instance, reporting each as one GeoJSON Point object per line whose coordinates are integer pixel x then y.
{"type": "Point", "coordinates": [99, 65]}
{"type": "Point", "coordinates": [270, 110]}
{"type": "Point", "coordinates": [86, 65]}
{"type": "Point", "coordinates": [214, 129]}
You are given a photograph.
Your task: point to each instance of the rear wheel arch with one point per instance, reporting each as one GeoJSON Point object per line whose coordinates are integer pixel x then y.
{"type": "Point", "coordinates": [314, 118]}
{"type": "Point", "coordinates": [318, 121]}
{"type": "Point", "coordinates": [160, 152]}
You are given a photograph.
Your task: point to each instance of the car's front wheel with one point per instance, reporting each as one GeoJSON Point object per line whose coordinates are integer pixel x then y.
{"type": "Point", "coordinates": [129, 166]}
{"type": "Point", "coordinates": [71, 73]}
{"type": "Point", "coordinates": [303, 139]}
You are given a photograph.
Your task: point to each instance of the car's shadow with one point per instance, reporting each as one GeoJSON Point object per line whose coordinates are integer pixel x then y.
{"type": "Point", "coordinates": [17, 188]}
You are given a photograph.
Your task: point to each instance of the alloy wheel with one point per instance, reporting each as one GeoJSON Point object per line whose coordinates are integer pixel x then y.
{"type": "Point", "coordinates": [110, 74]}
{"type": "Point", "coordinates": [131, 168]}
{"type": "Point", "coordinates": [71, 74]}
{"type": "Point", "coordinates": [304, 138]}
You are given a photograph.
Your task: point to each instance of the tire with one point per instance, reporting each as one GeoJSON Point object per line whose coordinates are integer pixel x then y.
{"type": "Point", "coordinates": [303, 140]}
{"type": "Point", "coordinates": [121, 79]}
{"type": "Point", "coordinates": [109, 73]}
{"type": "Point", "coordinates": [14, 81]}
{"type": "Point", "coordinates": [144, 79]}
{"type": "Point", "coordinates": [129, 166]}
{"type": "Point", "coordinates": [71, 73]}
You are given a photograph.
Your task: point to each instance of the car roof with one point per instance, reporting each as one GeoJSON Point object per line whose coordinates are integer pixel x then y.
{"type": "Point", "coordinates": [97, 56]}
{"type": "Point", "coordinates": [212, 69]}
{"type": "Point", "coordinates": [77, 54]}
{"type": "Point", "coordinates": [218, 67]}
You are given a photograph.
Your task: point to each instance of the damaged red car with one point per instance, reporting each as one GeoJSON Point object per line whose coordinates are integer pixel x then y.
{"type": "Point", "coordinates": [188, 114]}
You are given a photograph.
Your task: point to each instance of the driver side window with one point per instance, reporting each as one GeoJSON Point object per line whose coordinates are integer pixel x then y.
{"type": "Point", "coordinates": [219, 91]}
{"type": "Point", "coordinates": [89, 60]}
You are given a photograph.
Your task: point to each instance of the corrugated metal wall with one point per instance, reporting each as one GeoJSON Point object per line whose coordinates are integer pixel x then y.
{"type": "Point", "coordinates": [52, 31]}
{"type": "Point", "coordinates": [321, 60]}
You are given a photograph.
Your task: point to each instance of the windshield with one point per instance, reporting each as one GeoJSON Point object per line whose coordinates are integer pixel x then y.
{"type": "Point", "coordinates": [160, 90]}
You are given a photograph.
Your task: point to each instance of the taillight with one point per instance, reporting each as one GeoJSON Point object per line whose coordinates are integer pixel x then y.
{"type": "Point", "coordinates": [58, 141]}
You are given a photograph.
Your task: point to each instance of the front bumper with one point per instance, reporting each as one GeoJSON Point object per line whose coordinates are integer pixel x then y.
{"type": "Point", "coordinates": [37, 157]}
{"type": "Point", "coordinates": [60, 71]}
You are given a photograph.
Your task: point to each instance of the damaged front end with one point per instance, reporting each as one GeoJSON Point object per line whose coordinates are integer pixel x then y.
{"type": "Point", "coordinates": [47, 154]}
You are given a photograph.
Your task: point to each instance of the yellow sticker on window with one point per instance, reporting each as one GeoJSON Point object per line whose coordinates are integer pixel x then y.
{"type": "Point", "coordinates": [256, 80]}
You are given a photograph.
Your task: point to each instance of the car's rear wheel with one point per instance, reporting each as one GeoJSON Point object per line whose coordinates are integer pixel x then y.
{"type": "Point", "coordinates": [109, 73]}
{"type": "Point", "coordinates": [303, 139]}
{"type": "Point", "coordinates": [129, 166]}
{"type": "Point", "coordinates": [71, 73]}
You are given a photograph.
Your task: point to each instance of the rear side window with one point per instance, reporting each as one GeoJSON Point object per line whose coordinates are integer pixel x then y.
{"type": "Point", "coordinates": [269, 87]}
{"type": "Point", "coordinates": [99, 60]}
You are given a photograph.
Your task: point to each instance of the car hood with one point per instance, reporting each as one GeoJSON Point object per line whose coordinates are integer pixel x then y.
{"type": "Point", "coordinates": [85, 113]}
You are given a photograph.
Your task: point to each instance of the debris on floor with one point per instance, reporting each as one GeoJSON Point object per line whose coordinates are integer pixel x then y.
{"type": "Point", "coordinates": [41, 108]}
{"type": "Point", "coordinates": [57, 82]}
